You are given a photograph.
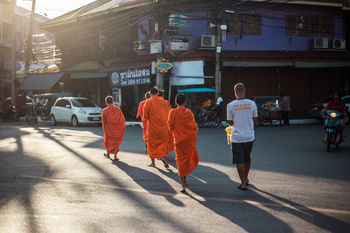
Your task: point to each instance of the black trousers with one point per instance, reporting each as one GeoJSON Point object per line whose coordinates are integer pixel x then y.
{"type": "Point", "coordinates": [285, 117]}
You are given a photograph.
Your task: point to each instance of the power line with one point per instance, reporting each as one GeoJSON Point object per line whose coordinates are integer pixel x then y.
{"type": "Point", "coordinates": [123, 20]}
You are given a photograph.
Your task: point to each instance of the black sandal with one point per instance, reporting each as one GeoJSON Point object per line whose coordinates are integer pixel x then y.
{"type": "Point", "coordinates": [243, 189]}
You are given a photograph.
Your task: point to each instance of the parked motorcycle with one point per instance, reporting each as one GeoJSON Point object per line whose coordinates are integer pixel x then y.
{"type": "Point", "coordinates": [332, 133]}
{"type": "Point", "coordinates": [9, 112]}
{"type": "Point", "coordinates": [206, 117]}
{"type": "Point", "coordinates": [32, 117]}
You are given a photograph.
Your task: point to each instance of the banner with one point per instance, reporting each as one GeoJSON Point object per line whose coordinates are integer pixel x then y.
{"type": "Point", "coordinates": [133, 77]}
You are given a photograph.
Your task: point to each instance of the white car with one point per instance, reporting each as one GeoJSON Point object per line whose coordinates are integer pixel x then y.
{"type": "Point", "coordinates": [76, 111]}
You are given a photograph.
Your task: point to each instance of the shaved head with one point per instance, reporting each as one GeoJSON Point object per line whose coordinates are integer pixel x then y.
{"type": "Point", "coordinates": [240, 90]}
{"type": "Point", "coordinates": [109, 100]}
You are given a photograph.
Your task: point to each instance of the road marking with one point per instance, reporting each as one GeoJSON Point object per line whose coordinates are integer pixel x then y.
{"type": "Point", "coordinates": [197, 197]}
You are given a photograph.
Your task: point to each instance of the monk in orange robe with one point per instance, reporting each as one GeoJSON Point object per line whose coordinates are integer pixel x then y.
{"type": "Point", "coordinates": [140, 114]}
{"type": "Point", "coordinates": [155, 113]}
{"type": "Point", "coordinates": [184, 129]}
{"type": "Point", "coordinates": [113, 122]}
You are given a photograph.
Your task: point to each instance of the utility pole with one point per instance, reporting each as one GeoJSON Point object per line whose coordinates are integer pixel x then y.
{"type": "Point", "coordinates": [29, 47]}
{"type": "Point", "coordinates": [159, 14]}
{"type": "Point", "coordinates": [13, 52]}
{"type": "Point", "coordinates": [217, 53]}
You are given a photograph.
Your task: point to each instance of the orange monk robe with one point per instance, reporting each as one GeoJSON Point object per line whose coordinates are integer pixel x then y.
{"type": "Point", "coordinates": [144, 123]}
{"type": "Point", "coordinates": [113, 122]}
{"type": "Point", "coordinates": [155, 112]}
{"type": "Point", "coordinates": [184, 129]}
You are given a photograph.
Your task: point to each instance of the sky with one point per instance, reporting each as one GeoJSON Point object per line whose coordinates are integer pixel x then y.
{"type": "Point", "coordinates": [53, 8]}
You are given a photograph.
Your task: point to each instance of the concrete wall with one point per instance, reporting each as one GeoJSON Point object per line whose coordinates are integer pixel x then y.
{"type": "Point", "coordinates": [273, 37]}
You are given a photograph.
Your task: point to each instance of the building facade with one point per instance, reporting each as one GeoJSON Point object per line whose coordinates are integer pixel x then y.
{"type": "Point", "coordinates": [44, 50]}
{"type": "Point", "coordinates": [299, 49]}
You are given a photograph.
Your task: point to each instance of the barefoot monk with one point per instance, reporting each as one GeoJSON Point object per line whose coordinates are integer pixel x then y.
{"type": "Point", "coordinates": [140, 114]}
{"type": "Point", "coordinates": [184, 130]}
{"type": "Point", "coordinates": [113, 122]}
{"type": "Point", "coordinates": [155, 113]}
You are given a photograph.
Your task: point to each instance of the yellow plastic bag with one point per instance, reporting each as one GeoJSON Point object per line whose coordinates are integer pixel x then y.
{"type": "Point", "coordinates": [228, 134]}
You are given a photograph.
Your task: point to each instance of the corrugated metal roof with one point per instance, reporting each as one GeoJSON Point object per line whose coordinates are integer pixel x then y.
{"type": "Point", "coordinates": [107, 6]}
{"type": "Point", "coordinates": [84, 66]}
{"type": "Point", "coordinates": [94, 9]}
{"type": "Point", "coordinates": [40, 82]}
{"type": "Point", "coordinates": [73, 14]}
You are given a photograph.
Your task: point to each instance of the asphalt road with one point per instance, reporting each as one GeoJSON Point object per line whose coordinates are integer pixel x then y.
{"type": "Point", "coordinates": [55, 179]}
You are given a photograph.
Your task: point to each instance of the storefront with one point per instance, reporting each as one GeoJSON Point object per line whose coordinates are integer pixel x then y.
{"type": "Point", "coordinates": [129, 84]}
{"type": "Point", "coordinates": [304, 82]}
{"type": "Point", "coordinates": [87, 81]}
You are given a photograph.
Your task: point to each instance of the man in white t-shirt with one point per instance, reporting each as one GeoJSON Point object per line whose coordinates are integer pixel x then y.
{"type": "Point", "coordinates": [241, 114]}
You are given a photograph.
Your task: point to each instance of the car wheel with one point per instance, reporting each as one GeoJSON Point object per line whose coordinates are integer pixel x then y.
{"type": "Point", "coordinates": [53, 120]}
{"type": "Point", "coordinates": [75, 121]}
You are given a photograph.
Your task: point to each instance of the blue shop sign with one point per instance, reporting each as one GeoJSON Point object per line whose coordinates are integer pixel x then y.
{"type": "Point", "coordinates": [130, 78]}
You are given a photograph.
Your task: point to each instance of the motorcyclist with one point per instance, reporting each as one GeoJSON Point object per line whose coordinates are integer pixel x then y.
{"type": "Point", "coordinates": [336, 104]}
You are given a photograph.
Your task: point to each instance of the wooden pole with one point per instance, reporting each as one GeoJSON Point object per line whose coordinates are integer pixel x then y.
{"type": "Point", "coordinates": [29, 47]}
{"type": "Point", "coordinates": [13, 52]}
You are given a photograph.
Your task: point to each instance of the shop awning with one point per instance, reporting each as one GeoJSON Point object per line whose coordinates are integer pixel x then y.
{"type": "Point", "coordinates": [86, 70]}
{"type": "Point", "coordinates": [321, 64]}
{"type": "Point", "coordinates": [40, 82]}
{"type": "Point", "coordinates": [197, 90]}
{"type": "Point", "coordinates": [256, 64]}
{"type": "Point", "coordinates": [130, 63]}
{"type": "Point", "coordinates": [286, 64]}
{"type": "Point", "coordinates": [88, 75]}
{"type": "Point", "coordinates": [114, 67]}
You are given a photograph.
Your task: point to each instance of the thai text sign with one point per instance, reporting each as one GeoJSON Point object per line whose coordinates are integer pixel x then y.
{"type": "Point", "coordinates": [130, 78]}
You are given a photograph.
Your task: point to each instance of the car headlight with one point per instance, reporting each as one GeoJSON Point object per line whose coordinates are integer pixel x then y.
{"type": "Point", "coordinates": [82, 111]}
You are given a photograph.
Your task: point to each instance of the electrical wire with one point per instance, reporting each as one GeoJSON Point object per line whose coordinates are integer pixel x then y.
{"type": "Point", "coordinates": [123, 21]}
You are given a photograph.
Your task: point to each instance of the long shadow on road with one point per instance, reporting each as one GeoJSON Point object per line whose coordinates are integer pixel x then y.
{"type": "Point", "coordinates": [311, 216]}
{"type": "Point", "coordinates": [244, 208]}
{"type": "Point", "coordinates": [138, 200]}
{"type": "Point", "coordinates": [228, 202]}
{"type": "Point", "coordinates": [150, 182]}
{"type": "Point", "coordinates": [14, 166]}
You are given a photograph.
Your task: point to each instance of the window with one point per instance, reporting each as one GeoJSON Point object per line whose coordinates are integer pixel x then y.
{"type": "Point", "coordinates": [243, 24]}
{"type": "Point", "coordinates": [297, 25]}
{"type": "Point", "coordinates": [6, 31]}
{"type": "Point", "coordinates": [82, 103]}
{"type": "Point", "coordinates": [59, 103]}
{"type": "Point", "coordinates": [62, 103]}
{"type": "Point", "coordinates": [65, 103]}
{"type": "Point", "coordinates": [6, 9]}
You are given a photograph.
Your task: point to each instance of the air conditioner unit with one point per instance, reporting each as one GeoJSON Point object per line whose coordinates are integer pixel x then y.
{"type": "Point", "coordinates": [139, 46]}
{"type": "Point", "coordinates": [207, 41]}
{"type": "Point", "coordinates": [338, 44]}
{"type": "Point", "coordinates": [320, 43]}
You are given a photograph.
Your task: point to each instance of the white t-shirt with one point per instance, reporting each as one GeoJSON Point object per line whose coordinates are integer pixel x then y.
{"type": "Point", "coordinates": [219, 100]}
{"type": "Point", "coordinates": [241, 112]}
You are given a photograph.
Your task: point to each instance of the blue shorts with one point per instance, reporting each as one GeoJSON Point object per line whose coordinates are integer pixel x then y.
{"type": "Point", "coordinates": [241, 152]}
